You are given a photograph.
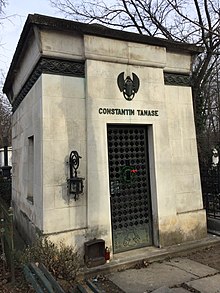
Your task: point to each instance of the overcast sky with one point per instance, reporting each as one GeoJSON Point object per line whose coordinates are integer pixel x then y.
{"type": "Point", "coordinates": [18, 11]}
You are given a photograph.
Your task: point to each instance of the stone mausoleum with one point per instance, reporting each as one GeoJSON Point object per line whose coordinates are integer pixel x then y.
{"type": "Point", "coordinates": [104, 142]}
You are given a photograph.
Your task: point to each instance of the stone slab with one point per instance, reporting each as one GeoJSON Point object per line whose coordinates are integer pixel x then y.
{"type": "Point", "coordinates": [179, 290]}
{"type": "Point", "coordinates": [163, 289]}
{"type": "Point", "coordinates": [156, 275]}
{"type": "Point", "coordinates": [161, 276]}
{"type": "Point", "coordinates": [192, 267]}
{"type": "Point", "coordinates": [206, 285]}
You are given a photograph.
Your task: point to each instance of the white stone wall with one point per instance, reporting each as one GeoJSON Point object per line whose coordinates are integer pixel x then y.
{"type": "Point", "coordinates": [102, 91]}
{"type": "Point", "coordinates": [177, 62]}
{"type": "Point", "coordinates": [28, 61]}
{"type": "Point", "coordinates": [64, 130]}
{"type": "Point", "coordinates": [188, 218]}
{"type": "Point", "coordinates": [61, 44]}
{"type": "Point", "coordinates": [177, 208]}
{"type": "Point", "coordinates": [27, 122]}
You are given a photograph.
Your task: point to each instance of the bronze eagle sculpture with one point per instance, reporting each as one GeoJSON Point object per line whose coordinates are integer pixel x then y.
{"type": "Point", "coordinates": [128, 86]}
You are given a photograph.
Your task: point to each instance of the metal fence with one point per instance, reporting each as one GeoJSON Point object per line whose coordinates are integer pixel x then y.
{"type": "Point", "coordinates": [212, 205]}
{"type": "Point", "coordinates": [7, 237]}
{"type": "Point", "coordinates": [210, 179]}
{"type": "Point", "coordinates": [5, 190]}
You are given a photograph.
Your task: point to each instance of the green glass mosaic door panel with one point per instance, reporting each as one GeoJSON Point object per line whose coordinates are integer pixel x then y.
{"type": "Point", "coordinates": [129, 187]}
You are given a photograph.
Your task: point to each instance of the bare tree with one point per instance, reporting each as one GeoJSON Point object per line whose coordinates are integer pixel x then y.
{"type": "Point", "coordinates": [3, 4]}
{"type": "Point", "coordinates": [5, 107]}
{"type": "Point", "coordinates": [5, 119]}
{"type": "Point", "coordinates": [183, 20]}
{"type": "Point", "coordinates": [191, 21]}
{"type": "Point", "coordinates": [5, 123]}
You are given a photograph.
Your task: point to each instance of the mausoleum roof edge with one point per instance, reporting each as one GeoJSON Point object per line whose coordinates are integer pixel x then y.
{"type": "Point", "coordinates": [101, 30]}
{"type": "Point", "coordinates": [53, 23]}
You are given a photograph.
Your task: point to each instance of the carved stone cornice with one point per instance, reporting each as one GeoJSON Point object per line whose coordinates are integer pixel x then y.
{"type": "Point", "coordinates": [49, 66]}
{"type": "Point", "coordinates": [177, 79]}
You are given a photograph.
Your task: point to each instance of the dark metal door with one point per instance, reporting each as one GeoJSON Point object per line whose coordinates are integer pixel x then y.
{"type": "Point", "coordinates": [129, 187]}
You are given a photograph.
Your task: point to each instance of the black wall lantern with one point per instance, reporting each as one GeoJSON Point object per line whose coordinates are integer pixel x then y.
{"type": "Point", "coordinates": [75, 183]}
